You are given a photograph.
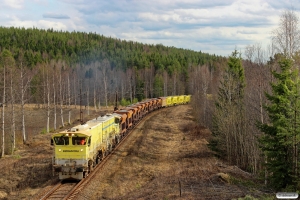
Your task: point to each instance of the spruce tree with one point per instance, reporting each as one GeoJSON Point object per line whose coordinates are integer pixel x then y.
{"type": "Point", "coordinates": [229, 128]}
{"type": "Point", "coordinates": [280, 140]}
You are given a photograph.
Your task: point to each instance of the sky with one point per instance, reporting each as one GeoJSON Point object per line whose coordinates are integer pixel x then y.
{"type": "Point", "coordinates": [210, 26]}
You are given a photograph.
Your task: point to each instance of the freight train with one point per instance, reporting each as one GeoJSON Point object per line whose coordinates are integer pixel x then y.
{"type": "Point", "coordinates": [79, 149]}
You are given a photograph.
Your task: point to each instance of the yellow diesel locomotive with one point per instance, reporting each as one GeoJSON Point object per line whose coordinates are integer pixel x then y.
{"type": "Point", "coordinates": [80, 148]}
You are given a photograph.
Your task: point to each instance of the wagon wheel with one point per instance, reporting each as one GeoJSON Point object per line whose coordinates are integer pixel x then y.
{"type": "Point", "coordinates": [116, 140]}
{"type": "Point", "coordinates": [104, 154]}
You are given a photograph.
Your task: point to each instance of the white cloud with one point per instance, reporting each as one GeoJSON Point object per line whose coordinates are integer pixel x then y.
{"type": "Point", "coordinates": [43, 24]}
{"type": "Point", "coordinates": [51, 24]}
{"type": "Point", "coordinates": [16, 4]}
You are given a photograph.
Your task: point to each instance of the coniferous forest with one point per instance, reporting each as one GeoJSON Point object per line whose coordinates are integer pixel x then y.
{"type": "Point", "coordinates": [249, 100]}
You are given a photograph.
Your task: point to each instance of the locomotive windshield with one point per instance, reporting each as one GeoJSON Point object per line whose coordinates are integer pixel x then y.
{"type": "Point", "coordinates": [61, 140]}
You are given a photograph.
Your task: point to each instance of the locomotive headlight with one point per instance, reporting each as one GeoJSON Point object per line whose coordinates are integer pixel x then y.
{"type": "Point", "coordinates": [67, 134]}
{"type": "Point", "coordinates": [59, 149]}
{"type": "Point", "coordinates": [81, 149]}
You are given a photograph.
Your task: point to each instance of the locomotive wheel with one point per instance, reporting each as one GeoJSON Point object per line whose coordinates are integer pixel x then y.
{"type": "Point", "coordinates": [100, 156]}
{"type": "Point", "coordinates": [90, 166]}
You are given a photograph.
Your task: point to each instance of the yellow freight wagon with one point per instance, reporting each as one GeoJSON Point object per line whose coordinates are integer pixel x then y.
{"type": "Point", "coordinates": [169, 101]}
{"type": "Point", "coordinates": [181, 99]}
{"type": "Point", "coordinates": [174, 100]}
{"type": "Point", "coordinates": [187, 98]}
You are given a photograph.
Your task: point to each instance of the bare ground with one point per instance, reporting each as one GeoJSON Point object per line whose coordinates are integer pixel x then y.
{"type": "Point", "coordinates": [165, 157]}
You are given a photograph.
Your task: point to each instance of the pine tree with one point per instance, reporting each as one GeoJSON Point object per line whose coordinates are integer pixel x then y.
{"type": "Point", "coordinates": [281, 136]}
{"type": "Point", "coordinates": [229, 126]}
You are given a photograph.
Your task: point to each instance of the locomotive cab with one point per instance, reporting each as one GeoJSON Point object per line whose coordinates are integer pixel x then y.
{"type": "Point", "coordinates": [70, 155]}
{"type": "Point", "coordinates": [79, 149]}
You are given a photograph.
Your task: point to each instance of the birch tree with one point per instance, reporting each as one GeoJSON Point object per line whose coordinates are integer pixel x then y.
{"type": "Point", "coordinates": [69, 99]}
{"type": "Point", "coordinates": [47, 91]}
{"type": "Point", "coordinates": [61, 96]}
{"type": "Point", "coordinates": [54, 96]}
{"type": "Point", "coordinates": [26, 76]}
{"type": "Point", "coordinates": [7, 61]}
{"type": "Point", "coordinates": [104, 69]}
{"type": "Point", "coordinates": [12, 103]}
{"type": "Point", "coordinates": [286, 38]}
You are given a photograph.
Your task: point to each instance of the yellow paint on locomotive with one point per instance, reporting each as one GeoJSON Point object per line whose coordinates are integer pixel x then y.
{"type": "Point", "coordinates": [80, 146]}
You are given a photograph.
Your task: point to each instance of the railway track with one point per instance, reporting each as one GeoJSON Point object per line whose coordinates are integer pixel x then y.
{"type": "Point", "coordinates": [67, 191]}
{"type": "Point", "coordinates": [59, 191]}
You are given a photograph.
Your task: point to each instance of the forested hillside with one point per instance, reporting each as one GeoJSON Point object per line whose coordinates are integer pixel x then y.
{"type": "Point", "coordinates": [84, 48]}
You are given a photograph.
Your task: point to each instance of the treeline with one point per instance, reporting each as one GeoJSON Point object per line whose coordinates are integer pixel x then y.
{"type": "Point", "coordinates": [254, 111]}
{"type": "Point", "coordinates": [85, 48]}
